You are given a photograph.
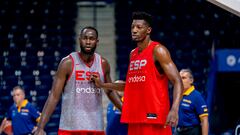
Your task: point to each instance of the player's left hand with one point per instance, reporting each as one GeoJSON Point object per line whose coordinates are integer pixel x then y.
{"type": "Point", "coordinates": [172, 118]}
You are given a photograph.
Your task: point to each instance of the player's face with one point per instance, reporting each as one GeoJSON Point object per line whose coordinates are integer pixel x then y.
{"type": "Point", "coordinates": [18, 96]}
{"type": "Point", "coordinates": [88, 41]}
{"type": "Point", "coordinates": [187, 81]}
{"type": "Point", "coordinates": [139, 30]}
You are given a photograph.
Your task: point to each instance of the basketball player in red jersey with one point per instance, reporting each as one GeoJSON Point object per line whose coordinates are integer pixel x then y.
{"type": "Point", "coordinates": [146, 106]}
{"type": "Point", "coordinates": [81, 100]}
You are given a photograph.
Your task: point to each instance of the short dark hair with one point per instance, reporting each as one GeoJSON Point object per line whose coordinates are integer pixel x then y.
{"type": "Point", "coordinates": [89, 27]}
{"type": "Point", "coordinates": [139, 15]}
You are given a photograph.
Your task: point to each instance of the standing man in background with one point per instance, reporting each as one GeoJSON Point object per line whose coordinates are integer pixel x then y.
{"type": "Point", "coordinates": [146, 106]}
{"type": "Point", "coordinates": [193, 112]}
{"type": "Point", "coordinates": [114, 126]}
{"type": "Point", "coordinates": [81, 100]}
{"type": "Point", "coordinates": [22, 114]}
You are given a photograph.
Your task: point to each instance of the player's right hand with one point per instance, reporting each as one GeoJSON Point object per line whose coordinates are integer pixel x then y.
{"type": "Point", "coordinates": [96, 79]}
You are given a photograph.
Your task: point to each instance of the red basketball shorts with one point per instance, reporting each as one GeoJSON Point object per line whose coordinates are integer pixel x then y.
{"type": "Point", "coordinates": [148, 129]}
{"type": "Point", "coordinates": [66, 132]}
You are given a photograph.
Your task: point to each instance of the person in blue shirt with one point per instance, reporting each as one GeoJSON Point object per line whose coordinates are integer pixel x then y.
{"type": "Point", "coordinates": [22, 114]}
{"type": "Point", "coordinates": [114, 126]}
{"type": "Point", "coordinates": [193, 111]}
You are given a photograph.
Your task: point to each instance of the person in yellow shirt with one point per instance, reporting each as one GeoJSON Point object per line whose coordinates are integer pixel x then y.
{"type": "Point", "coordinates": [22, 115]}
{"type": "Point", "coordinates": [193, 111]}
{"type": "Point", "coordinates": [114, 126]}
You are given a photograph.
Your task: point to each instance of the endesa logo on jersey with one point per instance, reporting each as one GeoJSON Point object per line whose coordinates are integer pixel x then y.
{"type": "Point", "coordinates": [136, 79]}
{"type": "Point", "coordinates": [82, 75]}
{"type": "Point", "coordinates": [83, 78]}
{"type": "Point", "coordinates": [137, 64]}
{"type": "Point", "coordinates": [88, 90]}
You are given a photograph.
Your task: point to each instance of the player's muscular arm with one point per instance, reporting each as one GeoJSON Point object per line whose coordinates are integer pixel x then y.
{"type": "Point", "coordinates": [108, 84]}
{"type": "Point", "coordinates": [63, 71]}
{"type": "Point", "coordinates": [162, 56]}
{"type": "Point", "coordinates": [112, 95]}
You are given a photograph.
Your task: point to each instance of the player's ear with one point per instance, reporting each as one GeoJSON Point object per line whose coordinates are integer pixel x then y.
{"type": "Point", "coordinates": [149, 30]}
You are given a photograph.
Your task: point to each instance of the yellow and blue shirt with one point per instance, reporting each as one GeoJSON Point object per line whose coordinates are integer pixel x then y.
{"type": "Point", "coordinates": [192, 107]}
{"type": "Point", "coordinates": [114, 126]}
{"type": "Point", "coordinates": [23, 117]}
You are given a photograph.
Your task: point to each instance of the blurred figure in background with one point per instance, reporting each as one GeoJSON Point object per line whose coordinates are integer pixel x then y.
{"type": "Point", "coordinates": [193, 111]}
{"type": "Point", "coordinates": [114, 126]}
{"type": "Point", "coordinates": [22, 116]}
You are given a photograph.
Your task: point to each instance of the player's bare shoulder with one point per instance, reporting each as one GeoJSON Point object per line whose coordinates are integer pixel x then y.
{"type": "Point", "coordinates": [105, 64]}
{"type": "Point", "coordinates": [132, 52]}
{"type": "Point", "coordinates": [161, 53]}
{"type": "Point", "coordinates": [66, 64]}
{"type": "Point", "coordinates": [104, 60]}
{"type": "Point", "coordinates": [161, 50]}
{"type": "Point", "coordinates": [66, 60]}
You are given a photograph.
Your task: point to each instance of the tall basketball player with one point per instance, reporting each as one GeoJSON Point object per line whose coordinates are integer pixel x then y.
{"type": "Point", "coordinates": [81, 100]}
{"type": "Point", "coordinates": [146, 106]}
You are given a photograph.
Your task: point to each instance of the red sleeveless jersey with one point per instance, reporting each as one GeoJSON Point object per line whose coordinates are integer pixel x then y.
{"type": "Point", "coordinates": [146, 97]}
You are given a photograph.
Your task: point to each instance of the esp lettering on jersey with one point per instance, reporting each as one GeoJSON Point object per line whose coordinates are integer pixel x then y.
{"type": "Point", "coordinates": [137, 64]}
{"type": "Point", "coordinates": [82, 75]}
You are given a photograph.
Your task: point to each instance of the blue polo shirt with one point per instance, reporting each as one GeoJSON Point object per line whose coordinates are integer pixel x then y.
{"type": "Point", "coordinates": [192, 107]}
{"type": "Point", "coordinates": [114, 126]}
{"type": "Point", "coordinates": [23, 117]}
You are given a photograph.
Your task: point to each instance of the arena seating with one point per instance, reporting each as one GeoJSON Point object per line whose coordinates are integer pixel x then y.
{"type": "Point", "coordinates": [34, 36]}
{"type": "Point", "coordinates": [187, 28]}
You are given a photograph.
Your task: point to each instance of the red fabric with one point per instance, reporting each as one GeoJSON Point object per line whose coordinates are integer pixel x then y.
{"type": "Point", "coordinates": [148, 129]}
{"type": "Point", "coordinates": [146, 90]}
{"type": "Point", "coordinates": [66, 132]}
